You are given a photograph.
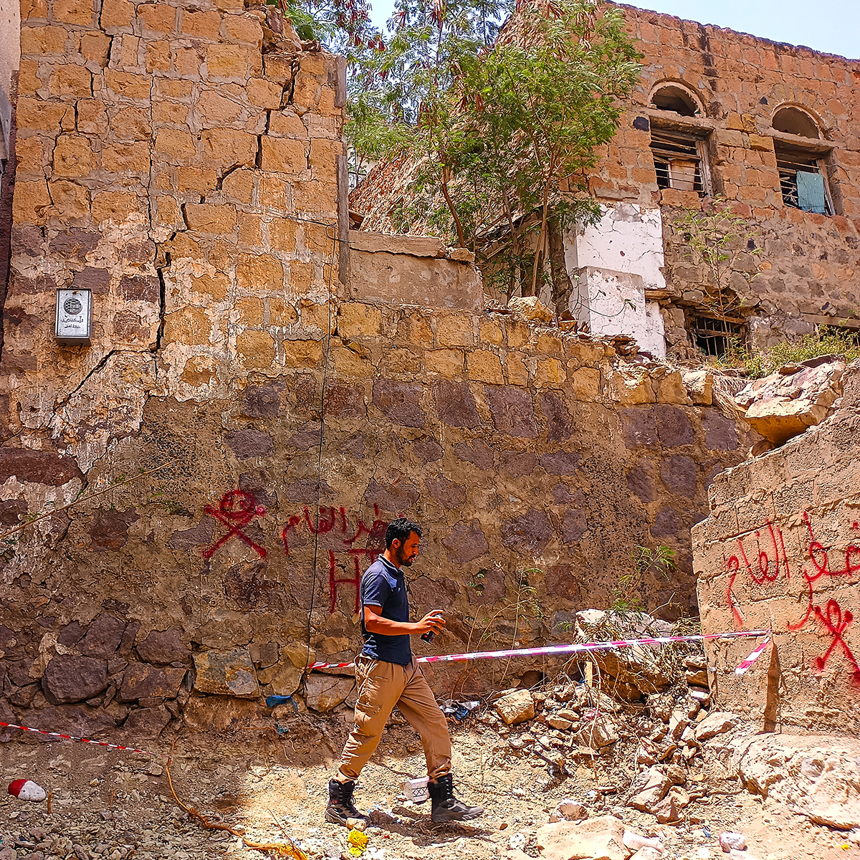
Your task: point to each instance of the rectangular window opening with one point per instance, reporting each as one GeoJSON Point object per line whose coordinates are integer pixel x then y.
{"type": "Point", "coordinates": [716, 336]}
{"type": "Point", "coordinates": [802, 180]}
{"type": "Point", "coordinates": [679, 159]}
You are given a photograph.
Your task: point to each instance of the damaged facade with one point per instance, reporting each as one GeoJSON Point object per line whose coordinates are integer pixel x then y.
{"type": "Point", "coordinates": [294, 385]}
{"type": "Point", "coordinates": [771, 129]}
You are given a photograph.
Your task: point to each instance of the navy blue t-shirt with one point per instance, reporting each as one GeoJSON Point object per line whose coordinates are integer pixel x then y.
{"type": "Point", "coordinates": [384, 585]}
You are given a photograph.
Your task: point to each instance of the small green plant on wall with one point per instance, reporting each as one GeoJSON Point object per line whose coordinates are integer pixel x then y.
{"type": "Point", "coordinates": [628, 596]}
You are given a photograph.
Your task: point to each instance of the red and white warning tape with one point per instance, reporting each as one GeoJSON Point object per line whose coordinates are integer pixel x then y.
{"type": "Point", "coordinates": [82, 740]}
{"type": "Point", "coordinates": [566, 649]}
{"type": "Point", "coordinates": [479, 655]}
{"type": "Point", "coordinates": [745, 664]}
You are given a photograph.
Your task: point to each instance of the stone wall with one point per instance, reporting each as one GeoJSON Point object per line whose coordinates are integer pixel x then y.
{"type": "Point", "coordinates": [780, 551]}
{"type": "Point", "coordinates": [294, 394]}
{"type": "Point", "coordinates": [809, 262]}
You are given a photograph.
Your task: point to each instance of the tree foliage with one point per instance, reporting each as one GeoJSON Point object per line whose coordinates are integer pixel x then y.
{"type": "Point", "coordinates": [503, 122]}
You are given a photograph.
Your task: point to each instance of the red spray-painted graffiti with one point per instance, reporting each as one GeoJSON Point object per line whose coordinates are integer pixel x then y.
{"type": "Point", "coordinates": [768, 567]}
{"type": "Point", "coordinates": [235, 510]}
{"type": "Point", "coordinates": [238, 507]}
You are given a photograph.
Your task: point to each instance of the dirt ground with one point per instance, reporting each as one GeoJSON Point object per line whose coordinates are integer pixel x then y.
{"type": "Point", "coordinates": [115, 805]}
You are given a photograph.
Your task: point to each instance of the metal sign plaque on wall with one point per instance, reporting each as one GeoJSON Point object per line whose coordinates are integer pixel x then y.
{"type": "Point", "coordinates": [74, 316]}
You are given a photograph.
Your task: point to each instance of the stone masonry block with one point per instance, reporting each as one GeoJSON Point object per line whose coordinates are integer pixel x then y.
{"type": "Point", "coordinates": [242, 29]}
{"type": "Point", "coordinates": [173, 145]}
{"type": "Point", "coordinates": [68, 79]}
{"type": "Point", "coordinates": [232, 61]}
{"type": "Point", "coordinates": [259, 271]}
{"type": "Point", "coordinates": [114, 205]}
{"type": "Point", "coordinates": [73, 156]}
{"type": "Point", "coordinates": [43, 40]}
{"type": "Point", "coordinates": [445, 362]}
{"type": "Point", "coordinates": [455, 330]}
{"type": "Point", "coordinates": [125, 158]}
{"type": "Point", "coordinates": [70, 200]}
{"type": "Point", "coordinates": [223, 148]}
{"type": "Point", "coordinates": [203, 25]}
{"type": "Point", "coordinates": [302, 353]}
{"type": "Point", "coordinates": [485, 366]}
{"type": "Point", "coordinates": [31, 202]}
{"type": "Point", "coordinates": [264, 94]}
{"type": "Point", "coordinates": [157, 17]}
{"type": "Point", "coordinates": [256, 349]}
{"type": "Point", "coordinates": [211, 218]}
{"type": "Point", "coordinates": [128, 85]}
{"type": "Point", "coordinates": [116, 15]}
{"type": "Point", "coordinates": [287, 124]}
{"type": "Point", "coordinates": [284, 156]}
{"type": "Point", "coordinates": [358, 320]}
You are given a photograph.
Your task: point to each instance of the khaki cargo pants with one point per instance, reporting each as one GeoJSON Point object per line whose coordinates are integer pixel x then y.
{"type": "Point", "coordinates": [381, 686]}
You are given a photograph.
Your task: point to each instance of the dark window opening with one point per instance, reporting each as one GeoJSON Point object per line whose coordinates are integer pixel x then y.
{"type": "Point", "coordinates": [679, 161]}
{"type": "Point", "coordinates": [802, 181]}
{"type": "Point", "coordinates": [792, 120]}
{"type": "Point", "coordinates": [674, 99]}
{"type": "Point", "coordinates": [715, 337]}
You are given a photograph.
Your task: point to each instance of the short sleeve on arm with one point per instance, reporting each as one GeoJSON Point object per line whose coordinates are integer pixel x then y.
{"type": "Point", "coordinates": [375, 590]}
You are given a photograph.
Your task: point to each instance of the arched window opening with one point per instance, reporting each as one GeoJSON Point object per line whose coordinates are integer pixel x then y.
{"type": "Point", "coordinates": [675, 98]}
{"type": "Point", "coordinates": [792, 120]}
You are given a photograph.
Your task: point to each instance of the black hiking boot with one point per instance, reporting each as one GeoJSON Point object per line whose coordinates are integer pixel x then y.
{"type": "Point", "coordinates": [446, 807]}
{"type": "Point", "coordinates": [340, 806]}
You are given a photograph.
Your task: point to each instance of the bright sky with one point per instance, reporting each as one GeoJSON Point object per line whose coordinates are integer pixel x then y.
{"type": "Point", "coordinates": [832, 26]}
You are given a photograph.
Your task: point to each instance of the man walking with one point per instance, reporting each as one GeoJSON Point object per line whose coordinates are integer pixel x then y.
{"type": "Point", "coordinates": [387, 676]}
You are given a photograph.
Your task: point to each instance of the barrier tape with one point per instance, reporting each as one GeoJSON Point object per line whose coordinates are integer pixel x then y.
{"type": "Point", "coordinates": [745, 664]}
{"type": "Point", "coordinates": [566, 649]}
{"type": "Point", "coordinates": [478, 655]}
{"type": "Point", "coordinates": [82, 740]}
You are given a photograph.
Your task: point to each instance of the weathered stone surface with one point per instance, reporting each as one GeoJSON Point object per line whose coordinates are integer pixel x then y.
{"type": "Point", "coordinates": [392, 497]}
{"type": "Point", "coordinates": [666, 523]}
{"type": "Point", "coordinates": [670, 807]}
{"type": "Point", "coordinates": [147, 722]}
{"type": "Point", "coordinates": [225, 673]}
{"type": "Point", "coordinates": [531, 308]}
{"type": "Point", "coordinates": [649, 788]}
{"type": "Point", "coordinates": [200, 535]}
{"type": "Point", "coordinates": [562, 581]}
{"type": "Point", "coordinates": [562, 463]}
{"type": "Point", "coordinates": [262, 401]}
{"type": "Point", "coordinates": [598, 732]}
{"type": "Point", "coordinates": [639, 428]}
{"type": "Point", "coordinates": [640, 481]}
{"type": "Point", "coordinates": [477, 453]}
{"type": "Point", "coordinates": [247, 444]}
{"type": "Point", "coordinates": [427, 450]}
{"type": "Point", "coordinates": [466, 542]}
{"type": "Point", "coordinates": [73, 679]}
{"type": "Point", "coordinates": [399, 401]}
{"type": "Point", "coordinates": [163, 647]}
{"type": "Point", "coordinates": [679, 475]}
{"type": "Point", "coordinates": [574, 525]}
{"type": "Point", "coordinates": [109, 529]}
{"type": "Point", "coordinates": [673, 426]}
{"type": "Point", "coordinates": [39, 467]}
{"type": "Point", "coordinates": [512, 411]}
{"type": "Point", "coordinates": [323, 693]}
{"type": "Point", "coordinates": [699, 385]}
{"type": "Point", "coordinates": [455, 404]}
{"type": "Point", "coordinates": [716, 723]}
{"type": "Point", "coordinates": [76, 720]}
{"type": "Point", "coordinates": [784, 404]}
{"type": "Point", "coordinates": [103, 637]}
{"type": "Point", "coordinates": [142, 681]}
{"type": "Point", "coordinates": [568, 810]}
{"type": "Point", "coordinates": [446, 492]}
{"type": "Point", "coordinates": [559, 425]}
{"type": "Point", "coordinates": [819, 776]}
{"type": "Point", "coordinates": [594, 839]}
{"type": "Point", "coordinates": [516, 707]}
{"type": "Point", "coordinates": [528, 534]}
{"type": "Point", "coordinates": [518, 463]}
{"type": "Point", "coordinates": [721, 434]}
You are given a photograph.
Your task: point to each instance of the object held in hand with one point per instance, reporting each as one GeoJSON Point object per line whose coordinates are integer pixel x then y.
{"type": "Point", "coordinates": [429, 636]}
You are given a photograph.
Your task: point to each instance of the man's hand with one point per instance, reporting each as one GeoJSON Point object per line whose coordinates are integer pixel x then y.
{"type": "Point", "coordinates": [375, 623]}
{"type": "Point", "coordinates": [433, 620]}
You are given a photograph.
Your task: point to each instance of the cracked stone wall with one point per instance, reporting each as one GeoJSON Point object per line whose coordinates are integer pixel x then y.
{"type": "Point", "coordinates": [780, 551]}
{"type": "Point", "coordinates": [293, 392]}
{"type": "Point", "coordinates": [809, 262]}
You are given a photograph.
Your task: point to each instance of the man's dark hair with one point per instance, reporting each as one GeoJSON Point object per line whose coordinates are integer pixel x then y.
{"type": "Point", "coordinates": [400, 529]}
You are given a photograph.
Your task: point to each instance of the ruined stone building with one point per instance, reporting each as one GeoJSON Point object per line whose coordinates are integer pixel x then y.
{"type": "Point", "coordinates": [770, 128]}
{"type": "Point", "coordinates": [214, 395]}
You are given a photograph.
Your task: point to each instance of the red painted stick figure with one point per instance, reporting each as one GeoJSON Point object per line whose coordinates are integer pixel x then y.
{"type": "Point", "coordinates": [836, 623]}
{"type": "Point", "coordinates": [235, 510]}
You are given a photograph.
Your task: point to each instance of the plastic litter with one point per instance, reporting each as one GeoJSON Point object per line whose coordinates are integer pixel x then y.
{"type": "Point", "coordinates": [459, 710]}
{"type": "Point", "coordinates": [731, 840]}
{"type": "Point", "coordinates": [274, 701]}
{"type": "Point", "coordinates": [357, 842]}
{"type": "Point", "coordinates": [26, 789]}
{"type": "Point", "coordinates": [416, 790]}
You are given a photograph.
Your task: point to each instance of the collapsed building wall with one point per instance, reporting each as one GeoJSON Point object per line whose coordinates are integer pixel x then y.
{"type": "Point", "coordinates": [780, 551]}
{"type": "Point", "coordinates": [293, 389]}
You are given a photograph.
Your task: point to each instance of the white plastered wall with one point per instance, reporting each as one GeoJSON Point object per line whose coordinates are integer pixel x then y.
{"type": "Point", "coordinates": [611, 264]}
